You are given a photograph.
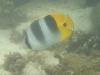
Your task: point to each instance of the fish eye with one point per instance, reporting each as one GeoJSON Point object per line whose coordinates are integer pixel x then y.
{"type": "Point", "coordinates": [65, 25]}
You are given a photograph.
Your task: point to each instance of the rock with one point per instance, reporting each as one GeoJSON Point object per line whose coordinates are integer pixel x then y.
{"type": "Point", "coordinates": [33, 69]}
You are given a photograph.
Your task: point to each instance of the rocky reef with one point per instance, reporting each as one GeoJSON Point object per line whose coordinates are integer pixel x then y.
{"type": "Point", "coordinates": [59, 62]}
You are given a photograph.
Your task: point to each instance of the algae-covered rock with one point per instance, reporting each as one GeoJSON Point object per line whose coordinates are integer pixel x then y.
{"type": "Point", "coordinates": [73, 64]}
{"type": "Point", "coordinates": [33, 69]}
{"type": "Point", "coordinates": [95, 18]}
{"type": "Point", "coordinates": [3, 72]}
{"type": "Point", "coordinates": [14, 63]}
{"type": "Point", "coordinates": [53, 63]}
{"type": "Point", "coordinates": [45, 58]}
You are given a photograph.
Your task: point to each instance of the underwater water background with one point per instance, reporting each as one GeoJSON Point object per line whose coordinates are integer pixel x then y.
{"type": "Point", "coordinates": [80, 55]}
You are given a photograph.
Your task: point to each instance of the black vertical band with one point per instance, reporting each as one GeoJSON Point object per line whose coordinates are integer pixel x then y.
{"type": "Point", "coordinates": [36, 30]}
{"type": "Point", "coordinates": [52, 25]}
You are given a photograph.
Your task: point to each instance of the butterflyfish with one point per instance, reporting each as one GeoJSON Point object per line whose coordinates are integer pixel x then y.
{"type": "Point", "coordinates": [48, 31]}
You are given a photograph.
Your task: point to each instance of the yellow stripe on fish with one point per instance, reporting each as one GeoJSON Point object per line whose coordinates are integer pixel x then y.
{"type": "Point", "coordinates": [65, 25]}
{"type": "Point", "coordinates": [48, 31]}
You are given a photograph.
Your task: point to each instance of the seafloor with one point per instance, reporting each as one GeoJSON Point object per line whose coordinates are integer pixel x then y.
{"type": "Point", "coordinates": [80, 55]}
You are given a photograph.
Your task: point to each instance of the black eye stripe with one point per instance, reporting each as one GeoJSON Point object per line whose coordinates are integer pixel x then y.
{"type": "Point", "coordinates": [65, 25]}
